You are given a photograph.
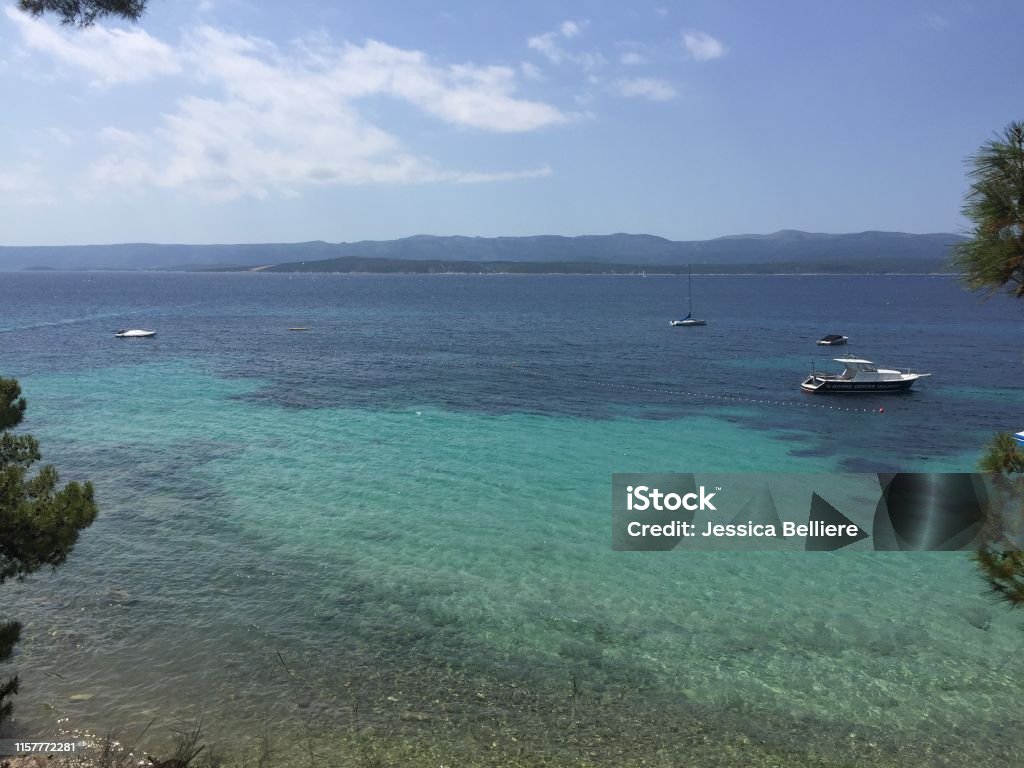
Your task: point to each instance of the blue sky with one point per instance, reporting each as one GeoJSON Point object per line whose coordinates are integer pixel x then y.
{"type": "Point", "coordinates": [241, 121]}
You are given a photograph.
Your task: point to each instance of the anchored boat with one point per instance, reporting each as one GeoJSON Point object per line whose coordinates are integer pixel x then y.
{"type": "Point", "coordinates": [689, 319]}
{"type": "Point", "coordinates": [833, 340]}
{"type": "Point", "coordinates": [137, 333]}
{"type": "Point", "coordinates": [858, 376]}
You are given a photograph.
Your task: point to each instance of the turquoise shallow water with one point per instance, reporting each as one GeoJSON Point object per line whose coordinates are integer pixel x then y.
{"type": "Point", "coordinates": [425, 562]}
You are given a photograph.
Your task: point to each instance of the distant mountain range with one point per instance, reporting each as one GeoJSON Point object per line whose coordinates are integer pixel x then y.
{"type": "Point", "coordinates": [872, 250]}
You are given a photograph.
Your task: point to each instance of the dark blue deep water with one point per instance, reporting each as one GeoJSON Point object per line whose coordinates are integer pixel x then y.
{"type": "Point", "coordinates": [397, 341]}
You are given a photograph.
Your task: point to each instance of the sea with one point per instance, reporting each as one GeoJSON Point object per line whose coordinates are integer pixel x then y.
{"type": "Point", "coordinates": [385, 540]}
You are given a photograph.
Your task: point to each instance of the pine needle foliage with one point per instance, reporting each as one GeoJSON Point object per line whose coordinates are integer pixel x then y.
{"type": "Point", "coordinates": [84, 13]}
{"type": "Point", "coordinates": [993, 259]}
{"type": "Point", "coordinates": [39, 522]}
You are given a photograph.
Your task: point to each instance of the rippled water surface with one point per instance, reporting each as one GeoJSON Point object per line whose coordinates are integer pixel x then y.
{"type": "Point", "coordinates": [396, 525]}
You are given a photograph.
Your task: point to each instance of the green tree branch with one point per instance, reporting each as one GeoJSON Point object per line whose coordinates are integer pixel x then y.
{"type": "Point", "coordinates": [39, 522]}
{"type": "Point", "coordinates": [84, 13]}
{"type": "Point", "coordinates": [993, 259]}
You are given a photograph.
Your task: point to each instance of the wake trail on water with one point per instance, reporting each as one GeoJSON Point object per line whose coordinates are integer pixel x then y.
{"type": "Point", "coordinates": [90, 318]}
{"type": "Point", "coordinates": [574, 379]}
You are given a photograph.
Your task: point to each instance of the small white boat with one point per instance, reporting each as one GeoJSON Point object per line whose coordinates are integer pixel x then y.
{"type": "Point", "coordinates": [136, 333]}
{"type": "Point", "coordinates": [833, 340]}
{"type": "Point", "coordinates": [689, 319]}
{"type": "Point", "coordinates": [858, 376]}
{"type": "Point", "coordinates": [1019, 437]}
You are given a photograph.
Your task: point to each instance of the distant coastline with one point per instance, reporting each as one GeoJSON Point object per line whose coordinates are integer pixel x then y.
{"type": "Point", "coordinates": [402, 266]}
{"type": "Point", "coordinates": [531, 268]}
{"type": "Point", "coordinates": [787, 251]}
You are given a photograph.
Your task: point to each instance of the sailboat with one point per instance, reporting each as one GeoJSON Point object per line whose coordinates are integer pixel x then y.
{"type": "Point", "coordinates": [689, 319]}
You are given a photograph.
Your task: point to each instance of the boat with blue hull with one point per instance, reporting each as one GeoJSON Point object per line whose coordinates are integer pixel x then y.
{"type": "Point", "coordinates": [860, 376]}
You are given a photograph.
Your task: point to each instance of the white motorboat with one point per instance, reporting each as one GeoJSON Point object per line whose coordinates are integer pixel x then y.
{"type": "Point", "coordinates": [833, 340]}
{"type": "Point", "coordinates": [859, 376]}
{"type": "Point", "coordinates": [136, 333]}
{"type": "Point", "coordinates": [1019, 437]}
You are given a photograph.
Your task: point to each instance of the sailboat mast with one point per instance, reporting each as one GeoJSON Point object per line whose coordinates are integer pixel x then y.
{"type": "Point", "coordinates": [689, 319]}
{"type": "Point", "coordinates": [689, 287]}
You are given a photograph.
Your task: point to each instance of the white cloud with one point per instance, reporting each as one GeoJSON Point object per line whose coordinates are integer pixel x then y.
{"type": "Point", "coordinates": [531, 71]}
{"type": "Point", "coordinates": [478, 97]}
{"type": "Point", "coordinates": [120, 170]}
{"type": "Point", "coordinates": [569, 28]}
{"type": "Point", "coordinates": [109, 56]}
{"type": "Point", "coordinates": [647, 88]}
{"type": "Point", "coordinates": [632, 58]}
{"type": "Point", "coordinates": [25, 184]}
{"type": "Point", "coordinates": [273, 121]}
{"type": "Point", "coordinates": [121, 137]}
{"type": "Point", "coordinates": [545, 44]}
{"type": "Point", "coordinates": [702, 46]}
{"type": "Point", "coordinates": [548, 44]}
{"type": "Point", "coordinates": [590, 62]}
{"type": "Point", "coordinates": [60, 136]}
{"type": "Point", "coordinates": [475, 177]}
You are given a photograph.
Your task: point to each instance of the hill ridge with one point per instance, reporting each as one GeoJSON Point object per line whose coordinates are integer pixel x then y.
{"type": "Point", "coordinates": [619, 248]}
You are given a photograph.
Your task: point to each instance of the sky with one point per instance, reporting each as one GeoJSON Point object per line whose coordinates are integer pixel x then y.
{"type": "Point", "coordinates": [233, 121]}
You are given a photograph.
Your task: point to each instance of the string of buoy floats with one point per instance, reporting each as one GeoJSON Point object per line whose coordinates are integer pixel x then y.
{"type": "Point", "coordinates": [575, 379]}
